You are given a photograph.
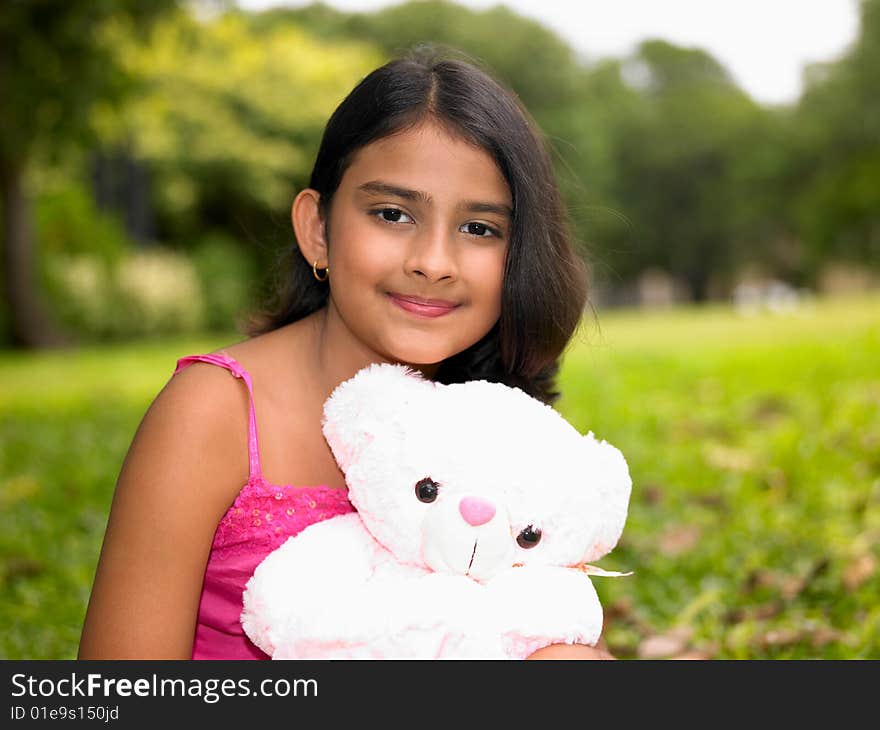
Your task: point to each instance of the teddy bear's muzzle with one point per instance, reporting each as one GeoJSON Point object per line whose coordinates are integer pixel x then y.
{"type": "Point", "coordinates": [467, 536]}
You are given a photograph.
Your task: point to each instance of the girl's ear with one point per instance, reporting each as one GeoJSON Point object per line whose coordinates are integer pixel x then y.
{"type": "Point", "coordinates": [308, 227]}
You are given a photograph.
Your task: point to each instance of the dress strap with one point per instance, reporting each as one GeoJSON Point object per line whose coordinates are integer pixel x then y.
{"type": "Point", "coordinates": [223, 360]}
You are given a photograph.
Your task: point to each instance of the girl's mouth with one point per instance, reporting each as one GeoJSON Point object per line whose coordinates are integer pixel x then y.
{"type": "Point", "coordinates": [422, 307]}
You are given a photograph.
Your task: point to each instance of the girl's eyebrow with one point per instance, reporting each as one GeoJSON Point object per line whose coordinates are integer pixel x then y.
{"type": "Point", "coordinates": [419, 196]}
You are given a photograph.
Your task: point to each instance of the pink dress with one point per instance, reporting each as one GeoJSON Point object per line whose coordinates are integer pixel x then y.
{"type": "Point", "coordinates": [260, 519]}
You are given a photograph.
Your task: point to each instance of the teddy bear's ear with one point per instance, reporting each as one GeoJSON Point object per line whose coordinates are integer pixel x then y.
{"type": "Point", "coordinates": [610, 474]}
{"type": "Point", "coordinates": [377, 400]}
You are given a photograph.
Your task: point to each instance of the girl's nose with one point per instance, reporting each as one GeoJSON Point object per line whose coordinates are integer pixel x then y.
{"type": "Point", "coordinates": [432, 256]}
{"type": "Point", "coordinates": [476, 511]}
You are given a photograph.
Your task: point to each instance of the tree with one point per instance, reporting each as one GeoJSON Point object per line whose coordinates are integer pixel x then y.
{"type": "Point", "coordinates": [55, 64]}
{"type": "Point", "coordinates": [675, 153]}
{"type": "Point", "coordinates": [519, 51]}
{"type": "Point", "coordinates": [835, 168]}
{"type": "Point", "coordinates": [228, 118]}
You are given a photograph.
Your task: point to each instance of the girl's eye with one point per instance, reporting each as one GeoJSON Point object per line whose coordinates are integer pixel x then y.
{"type": "Point", "coordinates": [479, 230]}
{"type": "Point", "coordinates": [529, 537]}
{"type": "Point", "coordinates": [393, 215]}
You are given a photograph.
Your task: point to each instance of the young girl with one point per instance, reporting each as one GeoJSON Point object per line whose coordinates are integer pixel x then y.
{"type": "Point", "coordinates": [432, 234]}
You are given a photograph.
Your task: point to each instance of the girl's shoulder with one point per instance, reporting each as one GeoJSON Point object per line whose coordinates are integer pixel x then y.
{"type": "Point", "coordinates": [207, 410]}
{"type": "Point", "coordinates": [275, 362]}
{"type": "Point", "coordinates": [291, 447]}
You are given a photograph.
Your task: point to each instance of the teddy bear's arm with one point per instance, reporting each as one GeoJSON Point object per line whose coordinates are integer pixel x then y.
{"type": "Point", "coordinates": [538, 606]}
{"type": "Point", "coordinates": [304, 575]}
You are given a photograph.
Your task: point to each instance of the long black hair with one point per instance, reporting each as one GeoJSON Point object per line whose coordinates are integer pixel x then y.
{"type": "Point", "coordinates": [545, 283]}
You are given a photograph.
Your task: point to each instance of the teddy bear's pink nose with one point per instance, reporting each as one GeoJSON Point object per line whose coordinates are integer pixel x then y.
{"type": "Point", "coordinates": [476, 511]}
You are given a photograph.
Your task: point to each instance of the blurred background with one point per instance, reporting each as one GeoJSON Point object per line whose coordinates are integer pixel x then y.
{"type": "Point", "coordinates": [721, 165]}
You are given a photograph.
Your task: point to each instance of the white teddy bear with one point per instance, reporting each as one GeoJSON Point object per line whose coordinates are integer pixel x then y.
{"type": "Point", "coordinates": [478, 508]}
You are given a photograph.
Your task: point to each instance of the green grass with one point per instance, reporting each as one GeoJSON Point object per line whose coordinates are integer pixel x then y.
{"type": "Point", "coordinates": [753, 442]}
{"type": "Point", "coordinates": [754, 447]}
{"type": "Point", "coordinates": [66, 421]}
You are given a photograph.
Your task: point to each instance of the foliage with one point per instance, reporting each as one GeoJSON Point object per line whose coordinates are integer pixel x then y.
{"type": "Point", "coordinates": [753, 444]}
{"type": "Point", "coordinates": [69, 222]}
{"type": "Point", "coordinates": [228, 279]}
{"type": "Point", "coordinates": [837, 157]}
{"type": "Point", "coordinates": [55, 66]}
{"type": "Point", "coordinates": [154, 291]}
{"type": "Point", "coordinates": [78, 250]}
{"type": "Point", "coordinates": [102, 285]}
{"type": "Point", "coordinates": [675, 152]}
{"type": "Point", "coordinates": [56, 63]}
{"type": "Point", "coordinates": [229, 119]}
{"type": "Point", "coordinates": [519, 51]}
{"type": "Point", "coordinates": [663, 162]}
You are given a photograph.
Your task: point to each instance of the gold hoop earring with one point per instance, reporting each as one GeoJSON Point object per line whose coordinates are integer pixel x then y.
{"type": "Point", "coordinates": [315, 272]}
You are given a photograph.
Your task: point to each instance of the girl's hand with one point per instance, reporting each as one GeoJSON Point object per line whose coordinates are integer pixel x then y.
{"type": "Point", "coordinates": [571, 651]}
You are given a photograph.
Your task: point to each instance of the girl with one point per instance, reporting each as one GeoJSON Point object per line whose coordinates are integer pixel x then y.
{"type": "Point", "coordinates": [432, 234]}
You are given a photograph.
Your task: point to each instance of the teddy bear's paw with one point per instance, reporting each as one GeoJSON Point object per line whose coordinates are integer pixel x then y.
{"type": "Point", "coordinates": [545, 602]}
{"type": "Point", "coordinates": [517, 646]}
{"type": "Point", "coordinates": [420, 642]}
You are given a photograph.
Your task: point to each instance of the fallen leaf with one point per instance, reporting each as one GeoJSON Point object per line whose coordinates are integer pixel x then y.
{"type": "Point", "coordinates": [780, 637]}
{"type": "Point", "coordinates": [794, 585]}
{"type": "Point", "coordinates": [622, 611]}
{"type": "Point", "coordinates": [817, 636]}
{"type": "Point", "coordinates": [678, 539]}
{"type": "Point", "coordinates": [770, 408]}
{"type": "Point", "coordinates": [760, 578]}
{"type": "Point", "coordinates": [651, 493]}
{"type": "Point", "coordinates": [858, 571]}
{"type": "Point", "coordinates": [714, 501]}
{"type": "Point", "coordinates": [767, 610]}
{"type": "Point", "coordinates": [825, 635]}
{"type": "Point", "coordinates": [757, 612]}
{"type": "Point", "coordinates": [18, 566]}
{"type": "Point", "coordinates": [695, 654]}
{"type": "Point", "coordinates": [621, 608]}
{"type": "Point", "coordinates": [663, 646]}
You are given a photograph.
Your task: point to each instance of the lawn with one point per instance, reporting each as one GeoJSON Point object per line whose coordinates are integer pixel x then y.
{"type": "Point", "coordinates": [753, 443]}
{"type": "Point", "coordinates": [754, 447]}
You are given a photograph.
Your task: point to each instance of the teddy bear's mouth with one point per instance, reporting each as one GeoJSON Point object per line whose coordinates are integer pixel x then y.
{"type": "Point", "coordinates": [473, 555]}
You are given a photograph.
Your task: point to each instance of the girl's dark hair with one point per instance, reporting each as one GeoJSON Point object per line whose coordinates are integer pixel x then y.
{"type": "Point", "coordinates": [545, 283]}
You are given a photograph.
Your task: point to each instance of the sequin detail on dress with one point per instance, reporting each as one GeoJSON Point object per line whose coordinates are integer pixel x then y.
{"type": "Point", "coordinates": [264, 515]}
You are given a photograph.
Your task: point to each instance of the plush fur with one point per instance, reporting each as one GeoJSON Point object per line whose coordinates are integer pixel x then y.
{"type": "Point", "coordinates": [407, 578]}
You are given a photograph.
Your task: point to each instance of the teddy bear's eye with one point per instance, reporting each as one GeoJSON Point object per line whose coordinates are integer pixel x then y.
{"type": "Point", "coordinates": [529, 537]}
{"type": "Point", "coordinates": [426, 489]}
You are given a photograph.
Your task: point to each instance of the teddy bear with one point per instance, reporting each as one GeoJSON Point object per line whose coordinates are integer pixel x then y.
{"type": "Point", "coordinates": [478, 511]}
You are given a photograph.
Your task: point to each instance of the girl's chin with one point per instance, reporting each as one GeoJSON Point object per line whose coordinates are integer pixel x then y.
{"type": "Point", "coordinates": [427, 358]}
{"type": "Point", "coordinates": [418, 362]}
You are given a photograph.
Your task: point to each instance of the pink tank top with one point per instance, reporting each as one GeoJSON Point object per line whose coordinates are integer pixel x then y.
{"type": "Point", "coordinates": [260, 519]}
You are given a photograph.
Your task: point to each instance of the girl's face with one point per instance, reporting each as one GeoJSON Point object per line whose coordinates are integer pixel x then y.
{"type": "Point", "coordinates": [419, 230]}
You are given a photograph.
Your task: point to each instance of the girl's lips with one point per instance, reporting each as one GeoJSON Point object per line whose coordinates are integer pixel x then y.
{"type": "Point", "coordinates": [422, 307]}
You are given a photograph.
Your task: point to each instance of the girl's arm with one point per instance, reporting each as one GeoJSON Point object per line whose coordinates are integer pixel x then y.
{"type": "Point", "coordinates": [185, 464]}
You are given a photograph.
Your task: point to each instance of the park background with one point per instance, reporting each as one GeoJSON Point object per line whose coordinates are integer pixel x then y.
{"type": "Point", "coordinates": [149, 153]}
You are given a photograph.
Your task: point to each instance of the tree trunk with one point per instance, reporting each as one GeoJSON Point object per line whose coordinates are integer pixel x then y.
{"type": "Point", "coordinates": [29, 322]}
